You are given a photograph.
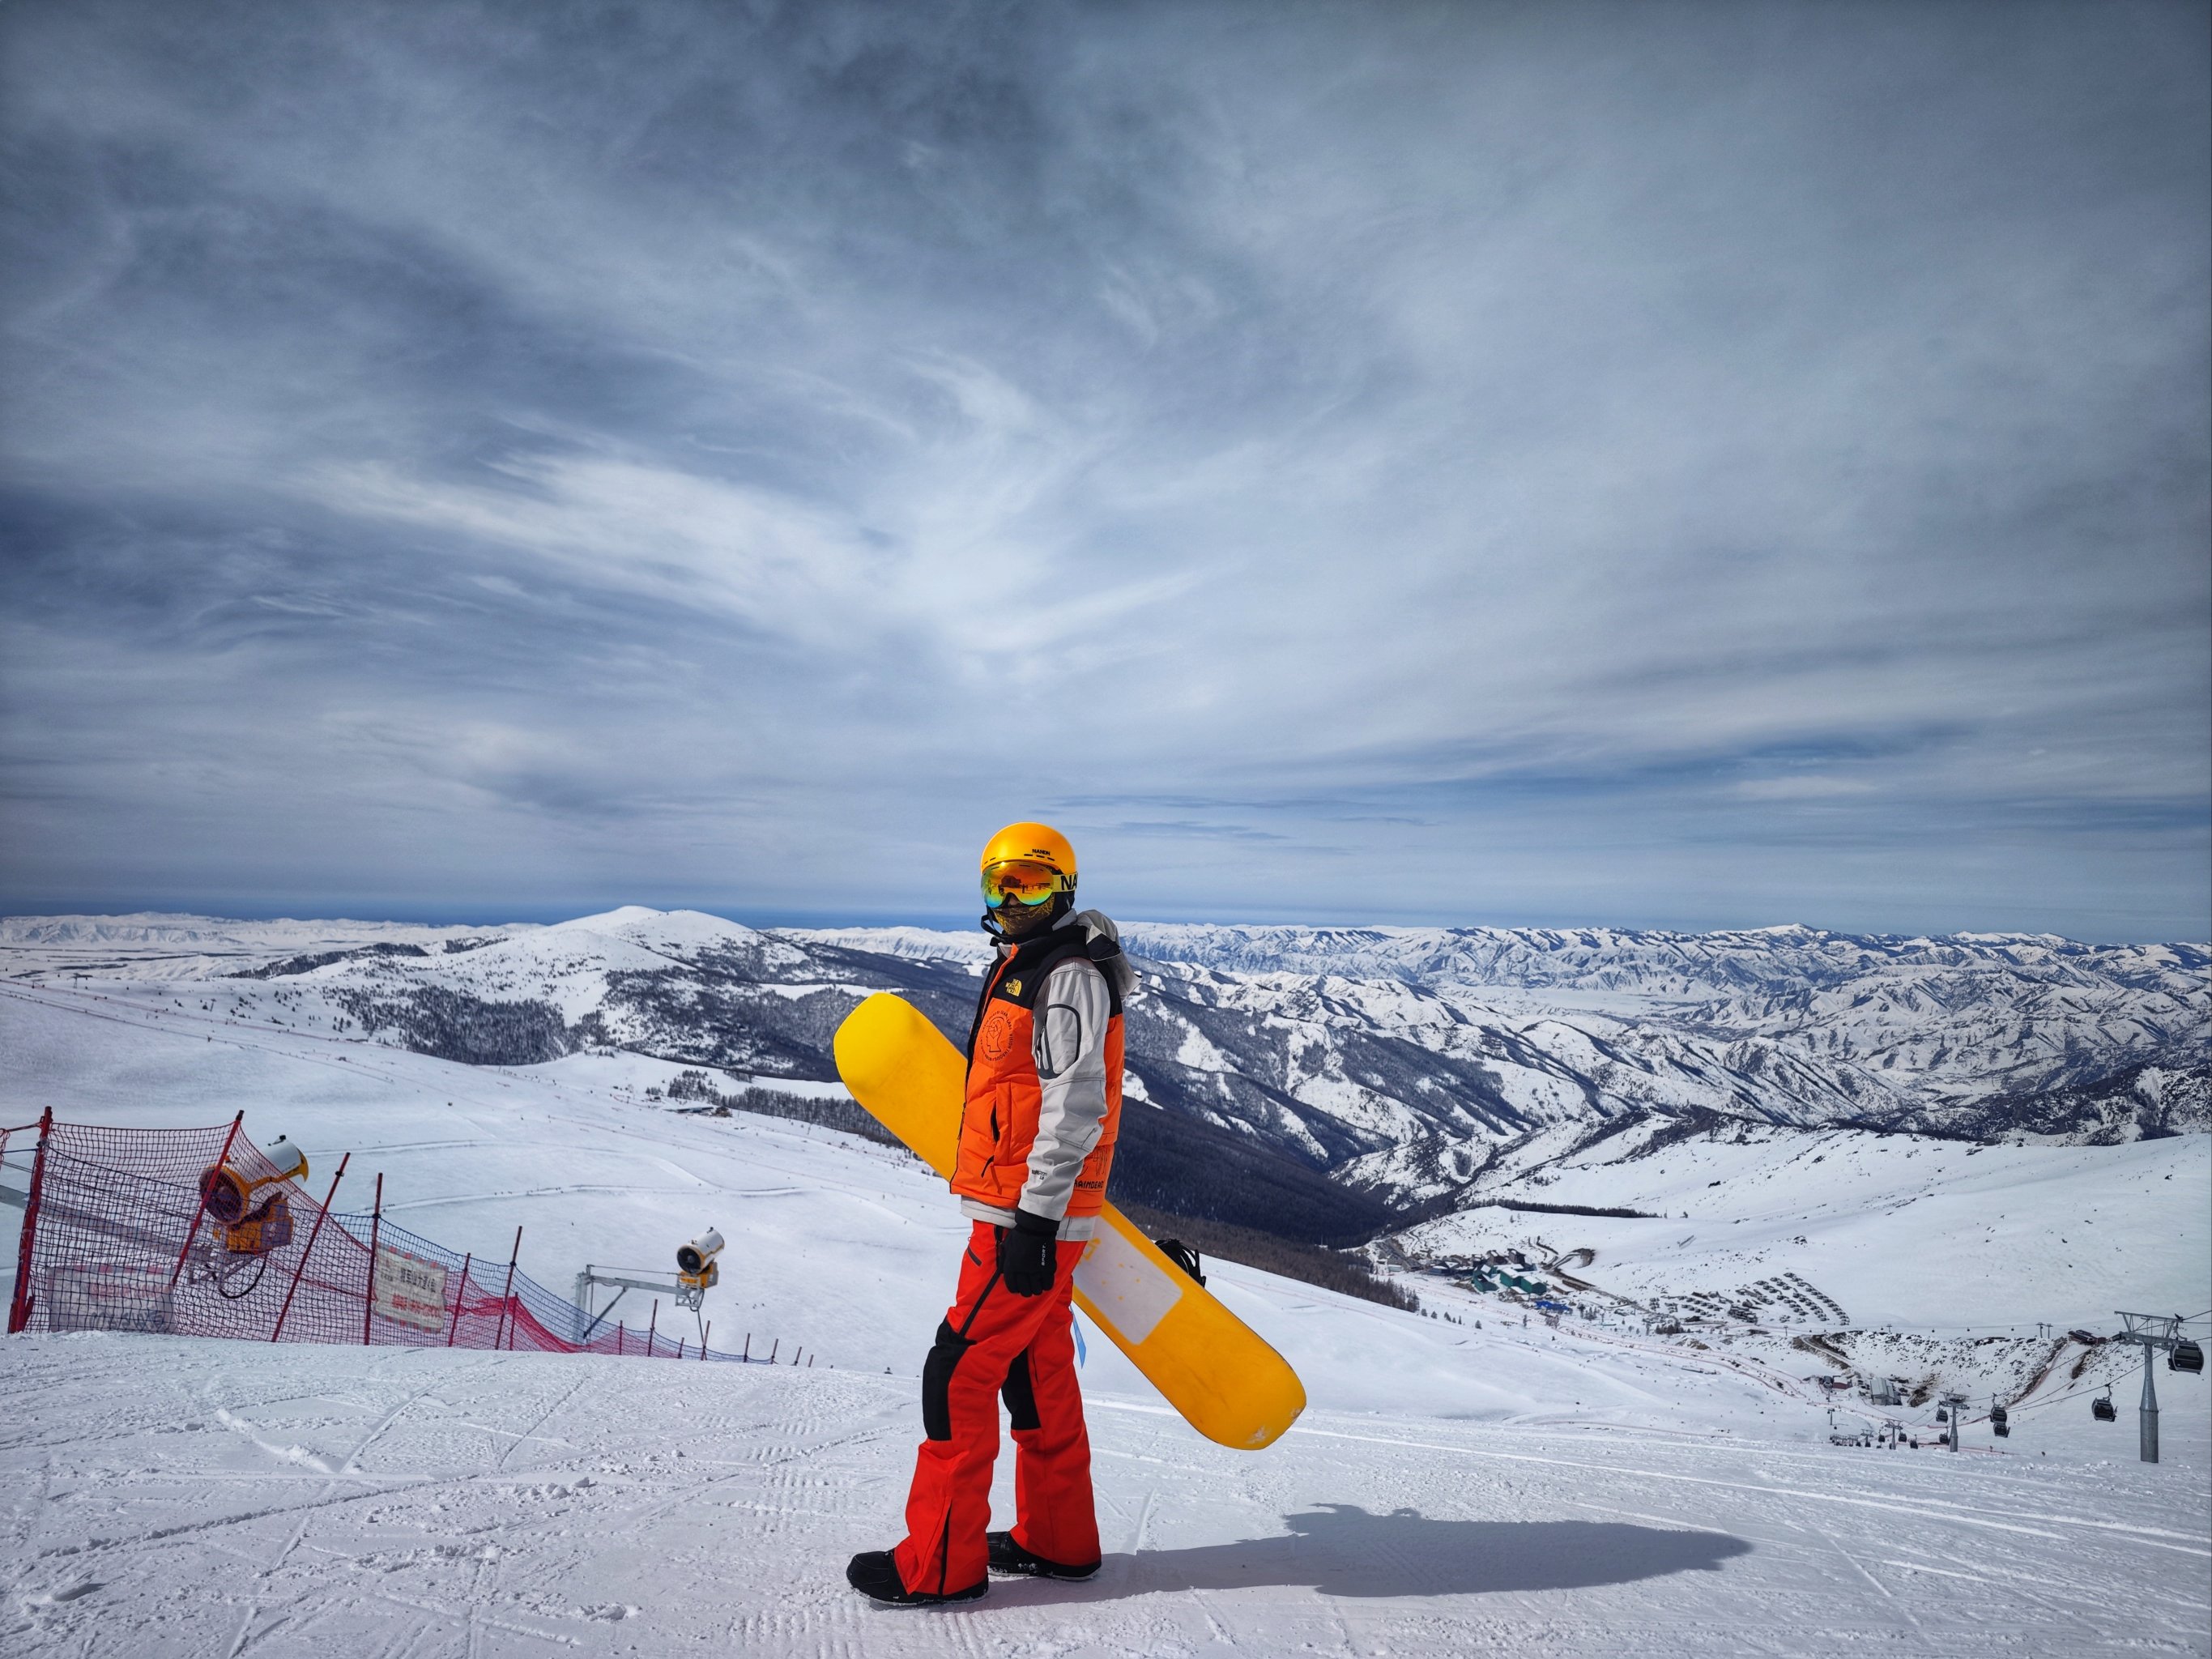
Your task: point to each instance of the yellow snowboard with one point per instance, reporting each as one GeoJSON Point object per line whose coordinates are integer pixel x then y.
{"type": "Point", "coordinates": [1229, 1385]}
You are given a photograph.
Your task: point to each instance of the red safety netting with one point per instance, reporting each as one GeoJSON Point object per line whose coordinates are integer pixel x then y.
{"type": "Point", "coordinates": [135, 1229]}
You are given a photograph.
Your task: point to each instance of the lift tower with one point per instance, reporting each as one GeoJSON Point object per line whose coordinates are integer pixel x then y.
{"type": "Point", "coordinates": [2157, 1333]}
{"type": "Point", "coordinates": [1957, 1403]}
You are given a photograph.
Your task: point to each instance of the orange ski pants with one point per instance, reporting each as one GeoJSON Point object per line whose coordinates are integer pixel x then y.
{"type": "Point", "coordinates": [993, 1342]}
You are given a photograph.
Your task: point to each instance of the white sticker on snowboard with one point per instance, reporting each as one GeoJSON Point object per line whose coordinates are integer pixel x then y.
{"type": "Point", "coordinates": [1132, 1292]}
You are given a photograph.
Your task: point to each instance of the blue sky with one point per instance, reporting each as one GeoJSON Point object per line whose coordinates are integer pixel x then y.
{"type": "Point", "coordinates": [1693, 465]}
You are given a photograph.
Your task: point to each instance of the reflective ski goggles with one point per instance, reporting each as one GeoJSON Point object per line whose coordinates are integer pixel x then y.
{"type": "Point", "coordinates": [1020, 882]}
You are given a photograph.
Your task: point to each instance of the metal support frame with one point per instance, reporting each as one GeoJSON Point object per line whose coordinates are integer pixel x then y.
{"type": "Point", "coordinates": [690, 1297]}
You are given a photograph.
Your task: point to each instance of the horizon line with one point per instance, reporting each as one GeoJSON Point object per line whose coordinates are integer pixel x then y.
{"type": "Point", "coordinates": [773, 919]}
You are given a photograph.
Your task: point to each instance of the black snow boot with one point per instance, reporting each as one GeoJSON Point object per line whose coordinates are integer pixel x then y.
{"type": "Point", "coordinates": [875, 1575]}
{"type": "Point", "coordinates": [1007, 1556]}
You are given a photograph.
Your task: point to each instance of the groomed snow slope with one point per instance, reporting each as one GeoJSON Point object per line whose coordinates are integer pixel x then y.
{"type": "Point", "coordinates": [163, 1497]}
{"type": "Point", "coordinates": [1453, 1490]}
{"type": "Point", "coordinates": [1900, 1230]}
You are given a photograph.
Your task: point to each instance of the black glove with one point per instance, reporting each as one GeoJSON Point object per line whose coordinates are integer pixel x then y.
{"type": "Point", "coordinates": [1029, 1254]}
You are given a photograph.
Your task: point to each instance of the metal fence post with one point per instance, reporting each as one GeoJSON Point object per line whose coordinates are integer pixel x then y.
{"type": "Point", "coordinates": [460, 1296]}
{"type": "Point", "coordinates": [314, 1233]}
{"type": "Point", "coordinates": [200, 1209]}
{"type": "Point", "coordinates": [19, 1308]}
{"type": "Point", "coordinates": [375, 1231]}
{"type": "Point", "coordinates": [507, 1295]}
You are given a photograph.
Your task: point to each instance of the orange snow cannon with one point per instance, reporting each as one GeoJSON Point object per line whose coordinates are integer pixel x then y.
{"type": "Point", "coordinates": [249, 1227]}
{"type": "Point", "coordinates": [696, 1269]}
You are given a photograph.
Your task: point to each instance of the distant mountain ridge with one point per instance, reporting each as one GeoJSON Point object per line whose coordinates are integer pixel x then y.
{"type": "Point", "coordinates": [1346, 1074]}
{"type": "Point", "coordinates": [1791, 1024]}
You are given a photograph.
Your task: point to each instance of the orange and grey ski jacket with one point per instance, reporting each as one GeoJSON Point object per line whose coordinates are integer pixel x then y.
{"type": "Point", "coordinates": [1044, 1078]}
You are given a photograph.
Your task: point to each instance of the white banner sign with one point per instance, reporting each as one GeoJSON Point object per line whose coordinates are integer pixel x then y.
{"type": "Point", "coordinates": [411, 1290]}
{"type": "Point", "coordinates": [107, 1296]}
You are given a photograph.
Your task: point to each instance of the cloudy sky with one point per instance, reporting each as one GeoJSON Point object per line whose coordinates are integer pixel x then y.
{"type": "Point", "coordinates": [1684, 464]}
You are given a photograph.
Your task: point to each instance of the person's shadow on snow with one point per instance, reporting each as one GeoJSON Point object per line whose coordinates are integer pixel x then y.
{"type": "Point", "coordinates": [1340, 1549]}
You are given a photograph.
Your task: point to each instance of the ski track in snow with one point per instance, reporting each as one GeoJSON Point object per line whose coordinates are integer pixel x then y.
{"type": "Point", "coordinates": [511, 1503]}
{"type": "Point", "coordinates": [1452, 1490]}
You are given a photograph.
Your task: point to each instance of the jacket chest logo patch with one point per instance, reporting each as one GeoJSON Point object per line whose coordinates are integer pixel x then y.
{"type": "Point", "coordinates": [997, 1035]}
{"type": "Point", "coordinates": [1013, 987]}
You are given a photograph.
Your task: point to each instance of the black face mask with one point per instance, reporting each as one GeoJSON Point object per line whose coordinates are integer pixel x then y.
{"type": "Point", "coordinates": [1052, 913]}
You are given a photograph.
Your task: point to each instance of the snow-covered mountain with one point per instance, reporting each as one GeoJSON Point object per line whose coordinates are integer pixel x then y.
{"type": "Point", "coordinates": [1935, 1022]}
{"type": "Point", "coordinates": [1322, 1080]}
{"type": "Point", "coordinates": [1445, 1043]}
{"type": "Point", "coordinates": [1939, 1022]}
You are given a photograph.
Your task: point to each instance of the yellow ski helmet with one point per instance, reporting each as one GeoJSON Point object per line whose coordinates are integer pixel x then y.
{"type": "Point", "coordinates": [1028, 862]}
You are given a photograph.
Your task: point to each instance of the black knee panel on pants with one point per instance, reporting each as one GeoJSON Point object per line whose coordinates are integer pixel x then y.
{"type": "Point", "coordinates": [1019, 1394]}
{"type": "Point", "coordinates": [937, 1380]}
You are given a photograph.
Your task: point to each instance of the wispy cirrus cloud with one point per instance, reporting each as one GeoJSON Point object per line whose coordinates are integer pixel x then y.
{"type": "Point", "coordinates": [1714, 466]}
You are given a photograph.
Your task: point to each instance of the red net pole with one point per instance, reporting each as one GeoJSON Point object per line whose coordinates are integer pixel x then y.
{"type": "Point", "coordinates": [375, 1227]}
{"type": "Point", "coordinates": [314, 1233]}
{"type": "Point", "coordinates": [19, 1308]}
{"type": "Point", "coordinates": [199, 1209]}
{"type": "Point", "coordinates": [652, 1325]}
{"type": "Point", "coordinates": [460, 1296]}
{"type": "Point", "coordinates": [703, 1335]}
{"type": "Point", "coordinates": [507, 1295]}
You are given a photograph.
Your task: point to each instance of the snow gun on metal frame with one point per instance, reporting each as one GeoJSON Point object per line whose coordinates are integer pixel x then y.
{"type": "Point", "coordinates": [248, 1225]}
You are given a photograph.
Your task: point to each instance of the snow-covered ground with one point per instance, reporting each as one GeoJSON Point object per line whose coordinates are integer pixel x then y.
{"type": "Point", "coordinates": [1456, 1488]}
{"type": "Point", "coordinates": [1900, 1230]}
{"type": "Point", "coordinates": [167, 1497]}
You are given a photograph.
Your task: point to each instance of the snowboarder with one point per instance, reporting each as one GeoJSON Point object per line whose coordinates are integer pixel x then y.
{"type": "Point", "coordinates": [1043, 1104]}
